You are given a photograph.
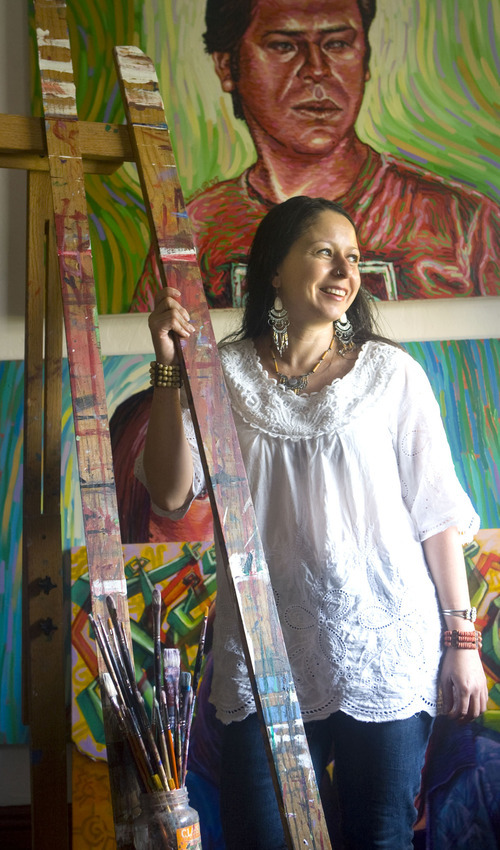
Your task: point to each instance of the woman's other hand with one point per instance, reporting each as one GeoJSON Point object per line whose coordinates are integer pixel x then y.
{"type": "Point", "coordinates": [463, 683]}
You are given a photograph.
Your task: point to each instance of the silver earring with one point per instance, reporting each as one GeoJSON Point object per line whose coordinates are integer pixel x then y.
{"type": "Point", "coordinates": [277, 317]}
{"type": "Point", "coordinates": [345, 334]}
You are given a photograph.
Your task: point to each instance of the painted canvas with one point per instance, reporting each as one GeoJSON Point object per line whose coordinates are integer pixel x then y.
{"type": "Point", "coordinates": [185, 575]}
{"type": "Point", "coordinates": [297, 76]}
{"type": "Point", "coordinates": [387, 106]}
{"type": "Point", "coordinates": [12, 730]}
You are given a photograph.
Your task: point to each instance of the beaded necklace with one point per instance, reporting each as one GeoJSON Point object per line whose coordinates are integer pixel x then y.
{"type": "Point", "coordinates": [297, 383]}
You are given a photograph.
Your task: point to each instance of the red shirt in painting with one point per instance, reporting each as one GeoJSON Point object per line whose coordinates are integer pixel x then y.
{"type": "Point", "coordinates": [420, 236]}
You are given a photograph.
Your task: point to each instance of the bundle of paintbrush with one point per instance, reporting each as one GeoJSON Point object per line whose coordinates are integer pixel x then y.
{"type": "Point", "coordinates": [159, 745]}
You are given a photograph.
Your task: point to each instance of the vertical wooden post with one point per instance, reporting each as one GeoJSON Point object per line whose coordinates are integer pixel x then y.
{"type": "Point", "coordinates": [44, 648]}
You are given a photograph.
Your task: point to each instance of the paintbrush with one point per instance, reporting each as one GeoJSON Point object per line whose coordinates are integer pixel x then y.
{"type": "Point", "coordinates": [199, 657]}
{"type": "Point", "coordinates": [164, 750]}
{"type": "Point", "coordinates": [194, 692]}
{"type": "Point", "coordinates": [119, 661]}
{"type": "Point", "coordinates": [163, 714]}
{"type": "Point", "coordinates": [121, 639]}
{"type": "Point", "coordinates": [171, 673]}
{"type": "Point", "coordinates": [185, 698]}
{"type": "Point", "coordinates": [158, 683]}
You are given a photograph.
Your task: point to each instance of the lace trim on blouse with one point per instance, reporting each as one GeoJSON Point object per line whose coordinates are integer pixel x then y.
{"type": "Point", "coordinates": [272, 408]}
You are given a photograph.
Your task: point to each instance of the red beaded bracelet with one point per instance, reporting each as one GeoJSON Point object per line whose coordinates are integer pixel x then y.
{"type": "Point", "coordinates": [463, 640]}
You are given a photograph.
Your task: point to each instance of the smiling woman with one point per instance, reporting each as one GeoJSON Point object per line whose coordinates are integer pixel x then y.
{"type": "Point", "coordinates": [318, 279]}
{"type": "Point", "coordinates": [360, 515]}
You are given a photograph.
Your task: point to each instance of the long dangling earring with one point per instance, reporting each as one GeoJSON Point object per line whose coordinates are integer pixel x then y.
{"type": "Point", "coordinates": [278, 319]}
{"type": "Point", "coordinates": [345, 334]}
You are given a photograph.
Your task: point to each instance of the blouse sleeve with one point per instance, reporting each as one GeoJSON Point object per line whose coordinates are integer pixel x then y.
{"type": "Point", "coordinates": [429, 484]}
{"type": "Point", "coordinates": [198, 485]}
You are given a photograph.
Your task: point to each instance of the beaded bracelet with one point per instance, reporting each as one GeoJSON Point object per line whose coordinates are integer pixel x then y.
{"type": "Point", "coordinates": [463, 640]}
{"type": "Point", "coordinates": [466, 613]}
{"type": "Point", "coordinates": [164, 376]}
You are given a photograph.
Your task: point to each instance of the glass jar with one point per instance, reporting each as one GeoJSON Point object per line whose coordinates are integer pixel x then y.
{"type": "Point", "coordinates": [167, 822]}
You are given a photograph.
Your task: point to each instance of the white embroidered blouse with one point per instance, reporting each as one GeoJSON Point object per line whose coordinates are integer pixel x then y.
{"type": "Point", "coordinates": [347, 482]}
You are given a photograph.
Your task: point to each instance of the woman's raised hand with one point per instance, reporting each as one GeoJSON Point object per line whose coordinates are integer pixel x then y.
{"type": "Point", "coordinates": [168, 315]}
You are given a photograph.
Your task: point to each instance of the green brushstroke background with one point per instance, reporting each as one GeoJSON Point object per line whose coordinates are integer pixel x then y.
{"type": "Point", "coordinates": [433, 99]}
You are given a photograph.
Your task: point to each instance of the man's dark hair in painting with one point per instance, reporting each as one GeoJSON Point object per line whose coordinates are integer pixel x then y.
{"type": "Point", "coordinates": [228, 20]}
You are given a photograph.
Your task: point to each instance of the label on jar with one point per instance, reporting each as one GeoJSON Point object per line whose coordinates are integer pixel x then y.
{"type": "Point", "coordinates": [189, 838]}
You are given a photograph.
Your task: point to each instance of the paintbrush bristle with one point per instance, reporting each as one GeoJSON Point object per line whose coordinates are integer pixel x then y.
{"type": "Point", "coordinates": [156, 597]}
{"type": "Point", "coordinates": [109, 686]}
{"type": "Point", "coordinates": [185, 680]}
{"type": "Point", "coordinates": [171, 658]}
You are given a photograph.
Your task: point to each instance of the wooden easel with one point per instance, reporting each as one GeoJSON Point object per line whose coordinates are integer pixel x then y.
{"type": "Point", "coordinates": [22, 145]}
{"type": "Point", "coordinates": [45, 657]}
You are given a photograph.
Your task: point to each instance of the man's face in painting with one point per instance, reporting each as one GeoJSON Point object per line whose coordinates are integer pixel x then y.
{"type": "Point", "coordinates": [301, 73]}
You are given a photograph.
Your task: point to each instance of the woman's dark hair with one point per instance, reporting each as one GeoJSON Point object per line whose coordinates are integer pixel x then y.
{"type": "Point", "coordinates": [228, 20]}
{"type": "Point", "coordinates": [276, 234]}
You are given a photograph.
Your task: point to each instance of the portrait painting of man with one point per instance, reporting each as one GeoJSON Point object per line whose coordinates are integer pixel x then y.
{"type": "Point", "coordinates": [296, 72]}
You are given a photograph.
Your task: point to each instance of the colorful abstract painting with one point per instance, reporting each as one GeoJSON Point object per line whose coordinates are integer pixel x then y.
{"type": "Point", "coordinates": [482, 558]}
{"type": "Point", "coordinates": [11, 506]}
{"type": "Point", "coordinates": [464, 377]}
{"type": "Point", "coordinates": [185, 575]}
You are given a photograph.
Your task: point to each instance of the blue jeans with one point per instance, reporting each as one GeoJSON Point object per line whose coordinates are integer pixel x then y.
{"type": "Point", "coordinates": [377, 770]}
